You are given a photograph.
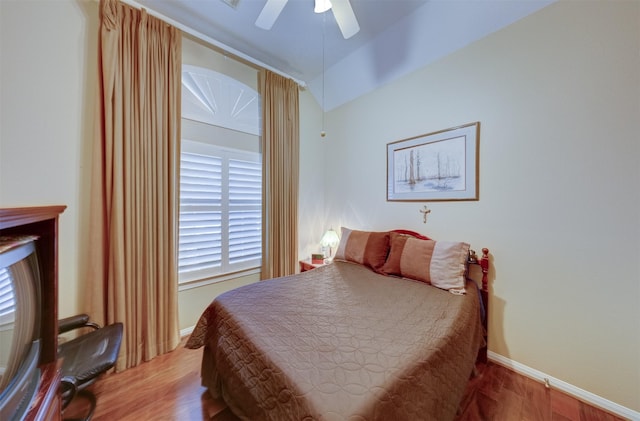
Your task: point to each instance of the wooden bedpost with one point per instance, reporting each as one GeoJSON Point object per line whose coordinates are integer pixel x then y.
{"type": "Point", "coordinates": [484, 292]}
{"type": "Point", "coordinates": [484, 265]}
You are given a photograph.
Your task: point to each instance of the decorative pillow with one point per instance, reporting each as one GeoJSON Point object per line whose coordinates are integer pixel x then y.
{"type": "Point", "coordinates": [440, 263]}
{"type": "Point", "coordinates": [364, 247]}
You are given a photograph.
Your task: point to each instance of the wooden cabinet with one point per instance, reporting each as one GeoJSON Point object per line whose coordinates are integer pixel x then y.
{"type": "Point", "coordinates": [43, 222]}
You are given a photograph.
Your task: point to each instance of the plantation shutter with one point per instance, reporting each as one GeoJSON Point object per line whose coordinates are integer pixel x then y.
{"type": "Point", "coordinates": [220, 211]}
{"type": "Point", "coordinates": [245, 214]}
{"type": "Point", "coordinates": [7, 298]}
{"type": "Point", "coordinates": [200, 213]}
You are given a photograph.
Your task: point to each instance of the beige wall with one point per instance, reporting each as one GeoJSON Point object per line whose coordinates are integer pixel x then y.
{"type": "Point", "coordinates": [557, 95]}
{"type": "Point", "coordinates": [47, 84]}
{"type": "Point", "coordinates": [558, 98]}
{"type": "Point", "coordinates": [312, 222]}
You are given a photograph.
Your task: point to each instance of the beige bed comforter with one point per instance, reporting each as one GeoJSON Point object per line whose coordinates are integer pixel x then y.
{"type": "Point", "coordinates": [339, 343]}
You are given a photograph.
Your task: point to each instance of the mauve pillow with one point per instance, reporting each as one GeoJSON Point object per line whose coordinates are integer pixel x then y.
{"type": "Point", "coordinates": [440, 263]}
{"type": "Point", "coordinates": [364, 247]}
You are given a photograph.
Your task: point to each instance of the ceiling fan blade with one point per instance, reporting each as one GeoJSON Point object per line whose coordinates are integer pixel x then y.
{"type": "Point", "coordinates": [270, 13]}
{"type": "Point", "coordinates": [345, 17]}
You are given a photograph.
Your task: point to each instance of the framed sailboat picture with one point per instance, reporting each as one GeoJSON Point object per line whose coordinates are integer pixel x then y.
{"type": "Point", "coordinates": [436, 166]}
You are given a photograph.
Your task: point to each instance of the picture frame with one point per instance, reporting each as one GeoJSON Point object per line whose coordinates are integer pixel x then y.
{"type": "Point", "coordinates": [438, 166]}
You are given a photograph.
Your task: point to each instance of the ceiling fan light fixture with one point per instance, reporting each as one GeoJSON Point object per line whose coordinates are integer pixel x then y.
{"type": "Point", "coordinates": [322, 6]}
{"type": "Point", "coordinates": [232, 3]}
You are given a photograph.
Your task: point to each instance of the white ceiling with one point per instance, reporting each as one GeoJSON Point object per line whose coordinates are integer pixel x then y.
{"type": "Point", "coordinates": [395, 38]}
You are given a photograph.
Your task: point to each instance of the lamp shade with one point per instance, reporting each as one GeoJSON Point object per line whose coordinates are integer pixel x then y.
{"type": "Point", "coordinates": [330, 239]}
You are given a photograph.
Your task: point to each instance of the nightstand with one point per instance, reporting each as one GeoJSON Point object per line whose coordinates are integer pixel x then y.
{"type": "Point", "coordinates": [306, 265]}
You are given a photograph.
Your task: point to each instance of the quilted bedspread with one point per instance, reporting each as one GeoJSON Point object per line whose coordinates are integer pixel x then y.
{"type": "Point", "coordinates": [339, 343]}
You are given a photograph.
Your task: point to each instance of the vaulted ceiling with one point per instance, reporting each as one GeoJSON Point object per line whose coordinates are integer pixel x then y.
{"type": "Point", "coordinates": [395, 37]}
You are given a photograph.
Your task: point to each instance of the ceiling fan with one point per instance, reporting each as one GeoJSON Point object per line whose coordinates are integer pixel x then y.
{"type": "Point", "coordinates": [342, 11]}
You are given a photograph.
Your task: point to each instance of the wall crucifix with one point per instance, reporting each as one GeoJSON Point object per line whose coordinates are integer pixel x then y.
{"type": "Point", "coordinates": [425, 211]}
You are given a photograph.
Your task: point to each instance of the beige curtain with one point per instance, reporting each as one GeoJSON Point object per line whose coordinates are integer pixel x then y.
{"type": "Point", "coordinates": [134, 212]}
{"type": "Point", "coordinates": [280, 163]}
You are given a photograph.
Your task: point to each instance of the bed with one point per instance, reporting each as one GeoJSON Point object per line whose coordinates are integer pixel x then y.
{"type": "Point", "coordinates": [362, 338]}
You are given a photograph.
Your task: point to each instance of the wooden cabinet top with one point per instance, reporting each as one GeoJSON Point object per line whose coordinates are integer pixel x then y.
{"type": "Point", "coordinates": [11, 217]}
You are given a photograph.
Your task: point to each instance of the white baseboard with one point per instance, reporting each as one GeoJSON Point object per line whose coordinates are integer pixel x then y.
{"type": "Point", "coordinates": [565, 387]}
{"type": "Point", "coordinates": [186, 331]}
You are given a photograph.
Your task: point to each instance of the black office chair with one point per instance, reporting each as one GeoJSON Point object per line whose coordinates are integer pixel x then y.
{"type": "Point", "coordinates": [86, 357]}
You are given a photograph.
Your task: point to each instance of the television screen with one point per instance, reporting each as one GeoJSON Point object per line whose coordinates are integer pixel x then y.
{"type": "Point", "coordinates": [19, 325]}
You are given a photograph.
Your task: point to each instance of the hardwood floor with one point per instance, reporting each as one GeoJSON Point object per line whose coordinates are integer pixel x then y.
{"type": "Point", "coordinates": [168, 388]}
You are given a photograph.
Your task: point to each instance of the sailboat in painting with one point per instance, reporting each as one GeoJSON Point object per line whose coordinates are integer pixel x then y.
{"type": "Point", "coordinates": [436, 166]}
{"type": "Point", "coordinates": [429, 167]}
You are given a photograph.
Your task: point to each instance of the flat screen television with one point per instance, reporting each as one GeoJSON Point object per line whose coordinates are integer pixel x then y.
{"type": "Point", "coordinates": [19, 325]}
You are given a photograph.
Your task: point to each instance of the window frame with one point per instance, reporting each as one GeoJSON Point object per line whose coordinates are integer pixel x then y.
{"type": "Point", "coordinates": [225, 271]}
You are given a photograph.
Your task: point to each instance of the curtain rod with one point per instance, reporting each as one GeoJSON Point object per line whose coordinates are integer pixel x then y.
{"type": "Point", "coordinates": [212, 41]}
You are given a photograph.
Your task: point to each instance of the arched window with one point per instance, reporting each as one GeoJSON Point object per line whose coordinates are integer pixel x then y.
{"type": "Point", "coordinates": [220, 177]}
{"type": "Point", "coordinates": [213, 98]}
